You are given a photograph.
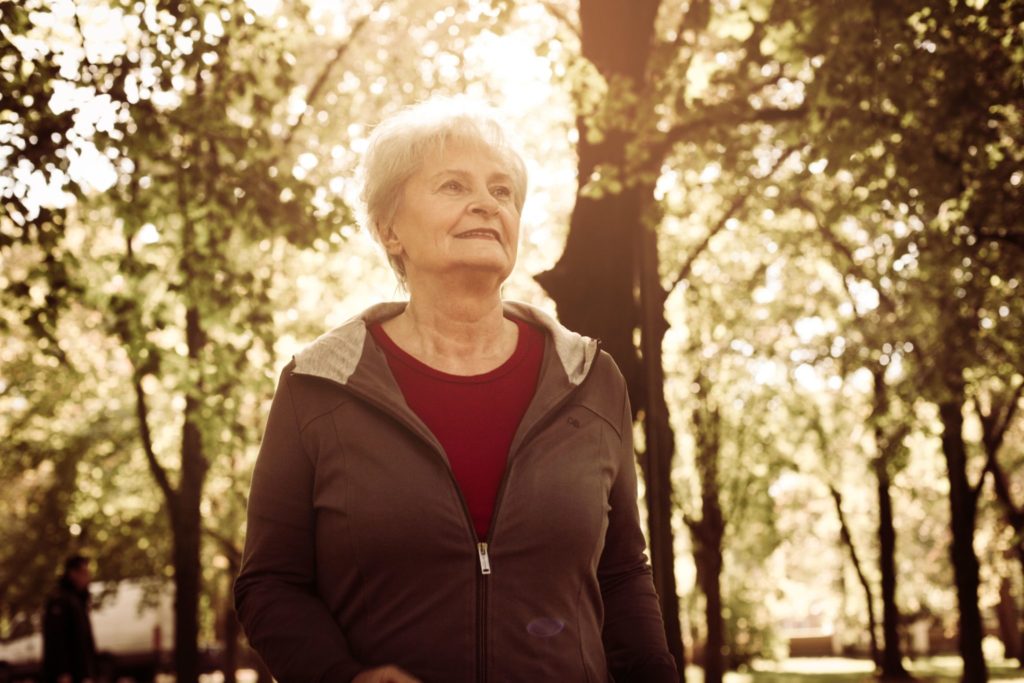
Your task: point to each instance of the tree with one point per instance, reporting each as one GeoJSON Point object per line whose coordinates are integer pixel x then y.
{"type": "Point", "coordinates": [846, 538]}
{"type": "Point", "coordinates": [197, 188]}
{"type": "Point", "coordinates": [996, 421]}
{"type": "Point", "coordinates": [935, 98]}
{"type": "Point", "coordinates": [632, 115]}
{"type": "Point", "coordinates": [876, 344]}
{"type": "Point", "coordinates": [189, 195]}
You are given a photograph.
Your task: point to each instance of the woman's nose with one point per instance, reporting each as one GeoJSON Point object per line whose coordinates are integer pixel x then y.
{"type": "Point", "coordinates": [484, 204]}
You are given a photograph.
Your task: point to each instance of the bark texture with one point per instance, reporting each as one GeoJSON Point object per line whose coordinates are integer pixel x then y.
{"type": "Point", "coordinates": [887, 443]}
{"type": "Point", "coordinates": [186, 521]}
{"type": "Point", "coordinates": [962, 502]}
{"type": "Point", "coordinates": [709, 532]}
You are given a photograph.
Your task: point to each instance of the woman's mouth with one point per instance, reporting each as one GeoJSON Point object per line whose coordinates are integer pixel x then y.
{"type": "Point", "coordinates": [480, 234]}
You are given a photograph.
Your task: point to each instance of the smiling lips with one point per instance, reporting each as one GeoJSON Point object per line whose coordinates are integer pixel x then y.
{"type": "Point", "coordinates": [480, 233]}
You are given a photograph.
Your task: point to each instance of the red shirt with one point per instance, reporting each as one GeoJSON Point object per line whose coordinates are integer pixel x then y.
{"type": "Point", "coordinates": [474, 417]}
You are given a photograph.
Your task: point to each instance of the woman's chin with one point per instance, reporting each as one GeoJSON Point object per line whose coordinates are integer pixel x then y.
{"type": "Point", "coordinates": [482, 272]}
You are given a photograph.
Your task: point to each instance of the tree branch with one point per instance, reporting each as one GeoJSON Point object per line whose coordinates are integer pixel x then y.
{"type": "Point", "coordinates": [563, 19]}
{"type": "Point", "coordinates": [1008, 410]}
{"type": "Point", "coordinates": [81, 37]}
{"type": "Point", "coordinates": [1014, 513]}
{"type": "Point", "coordinates": [895, 440]}
{"type": "Point", "coordinates": [1003, 236]}
{"type": "Point", "coordinates": [696, 18]}
{"type": "Point", "coordinates": [684, 271]}
{"type": "Point", "coordinates": [738, 202]}
{"type": "Point", "coordinates": [325, 72]}
{"type": "Point", "coordinates": [855, 268]}
{"type": "Point", "coordinates": [155, 468]}
{"type": "Point", "coordinates": [721, 116]}
{"type": "Point", "coordinates": [975, 490]}
{"type": "Point", "coordinates": [699, 528]}
{"type": "Point", "coordinates": [228, 545]}
{"type": "Point", "coordinates": [994, 428]}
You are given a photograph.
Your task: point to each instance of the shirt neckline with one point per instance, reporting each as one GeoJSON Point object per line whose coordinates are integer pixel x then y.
{"type": "Point", "coordinates": [394, 352]}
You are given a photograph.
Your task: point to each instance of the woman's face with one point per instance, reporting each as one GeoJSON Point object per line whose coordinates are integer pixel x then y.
{"type": "Point", "coordinates": [457, 214]}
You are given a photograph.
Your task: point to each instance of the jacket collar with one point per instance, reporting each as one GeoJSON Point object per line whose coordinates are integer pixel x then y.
{"type": "Point", "coordinates": [336, 354]}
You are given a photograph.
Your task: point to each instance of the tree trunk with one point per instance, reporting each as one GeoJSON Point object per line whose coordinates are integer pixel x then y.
{"type": "Point", "coordinates": [709, 575]}
{"type": "Point", "coordinates": [592, 284]}
{"type": "Point", "coordinates": [657, 469]}
{"type": "Point", "coordinates": [187, 518]}
{"type": "Point", "coordinates": [659, 446]}
{"type": "Point", "coordinates": [1008, 614]}
{"type": "Point", "coordinates": [1020, 613]}
{"type": "Point", "coordinates": [186, 594]}
{"type": "Point", "coordinates": [229, 665]}
{"type": "Point", "coordinates": [886, 445]}
{"type": "Point", "coordinates": [994, 426]}
{"type": "Point", "coordinates": [709, 532]}
{"type": "Point", "coordinates": [187, 526]}
{"type": "Point", "coordinates": [962, 513]}
{"type": "Point", "coordinates": [869, 597]}
{"type": "Point", "coordinates": [1014, 516]}
{"type": "Point", "coordinates": [892, 656]}
{"type": "Point", "coordinates": [605, 285]}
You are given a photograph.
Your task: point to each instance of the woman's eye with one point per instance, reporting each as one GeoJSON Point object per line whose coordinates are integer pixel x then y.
{"type": "Point", "coordinates": [502, 192]}
{"type": "Point", "coordinates": [453, 185]}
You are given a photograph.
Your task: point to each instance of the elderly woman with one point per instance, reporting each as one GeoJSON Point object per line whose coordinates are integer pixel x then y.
{"type": "Point", "coordinates": [446, 488]}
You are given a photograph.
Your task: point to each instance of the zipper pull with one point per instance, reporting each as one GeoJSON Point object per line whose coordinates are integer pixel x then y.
{"type": "Point", "coordinates": [485, 560]}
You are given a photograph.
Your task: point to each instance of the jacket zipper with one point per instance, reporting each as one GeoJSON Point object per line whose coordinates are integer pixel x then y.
{"type": "Point", "coordinates": [481, 613]}
{"type": "Point", "coordinates": [482, 547]}
{"type": "Point", "coordinates": [485, 560]}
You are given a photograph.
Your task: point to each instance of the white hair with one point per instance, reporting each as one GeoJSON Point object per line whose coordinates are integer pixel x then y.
{"type": "Point", "coordinates": [398, 145]}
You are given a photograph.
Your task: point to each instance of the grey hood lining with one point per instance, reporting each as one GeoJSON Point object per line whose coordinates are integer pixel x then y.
{"type": "Point", "coordinates": [336, 354]}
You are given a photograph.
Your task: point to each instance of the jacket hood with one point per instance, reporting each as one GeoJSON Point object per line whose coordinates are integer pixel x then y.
{"type": "Point", "coordinates": [336, 354]}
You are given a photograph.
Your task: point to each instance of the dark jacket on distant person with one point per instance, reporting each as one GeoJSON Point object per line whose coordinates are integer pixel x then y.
{"type": "Point", "coordinates": [360, 550]}
{"type": "Point", "coordinates": [68, 646]}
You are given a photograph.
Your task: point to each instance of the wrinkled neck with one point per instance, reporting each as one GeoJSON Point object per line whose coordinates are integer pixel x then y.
{"type": "Point", "coordinates": [462, 335]}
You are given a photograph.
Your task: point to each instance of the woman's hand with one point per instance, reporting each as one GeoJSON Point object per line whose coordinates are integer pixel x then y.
{"type": "Point", "coordinates": [384, 674]}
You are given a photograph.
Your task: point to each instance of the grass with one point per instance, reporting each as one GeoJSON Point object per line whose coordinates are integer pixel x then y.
{"type": "Point", "coordinates": [806, 670]}
{"type": "Point", "coordinates": [840, 670]}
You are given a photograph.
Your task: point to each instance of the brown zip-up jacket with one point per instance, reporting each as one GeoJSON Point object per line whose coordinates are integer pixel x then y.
{"type": "Point", "coordinates": [360, 550]}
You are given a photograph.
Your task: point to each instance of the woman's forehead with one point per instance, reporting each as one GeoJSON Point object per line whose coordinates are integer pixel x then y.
{"type": "Point", "coordinates": [466, 149]}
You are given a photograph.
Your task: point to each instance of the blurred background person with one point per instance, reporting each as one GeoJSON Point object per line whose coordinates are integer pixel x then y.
{"type": "Point", "coordinates": [69, 651]}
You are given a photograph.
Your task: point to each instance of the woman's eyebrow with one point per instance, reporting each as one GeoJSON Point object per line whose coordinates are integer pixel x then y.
{"type": "Point", "coordinates": [450, 171]}
{"type": "Point", "coordinates": [498, 175]}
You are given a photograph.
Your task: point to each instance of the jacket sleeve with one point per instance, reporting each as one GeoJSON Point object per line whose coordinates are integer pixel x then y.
{"type": "Point", "coordinates": [634, 633]}
{"type": "Point", "coordinates": [275, 593]}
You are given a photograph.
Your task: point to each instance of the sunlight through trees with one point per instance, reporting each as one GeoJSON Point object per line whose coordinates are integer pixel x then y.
{"type": "Point", "coordinates": [796, 225]}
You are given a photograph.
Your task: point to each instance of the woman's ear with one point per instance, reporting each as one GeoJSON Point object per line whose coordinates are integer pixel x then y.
{"type": "Point", "coordinates": [388, 238]}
